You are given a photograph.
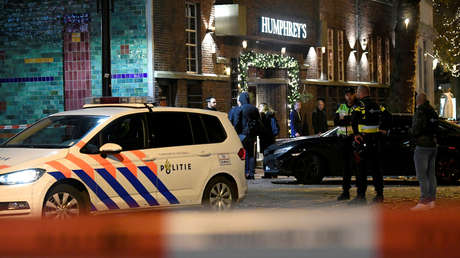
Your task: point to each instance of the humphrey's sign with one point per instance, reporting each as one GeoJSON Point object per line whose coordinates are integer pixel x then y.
{"type": "Point", "coordinates": [283, 28]}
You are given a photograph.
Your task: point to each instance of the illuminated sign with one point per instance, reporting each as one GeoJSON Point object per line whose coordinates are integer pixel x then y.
{"type": "Point", "coordinates": [283, 28]}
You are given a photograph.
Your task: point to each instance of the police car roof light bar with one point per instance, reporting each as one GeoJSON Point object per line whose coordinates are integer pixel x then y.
{"type": "Point", "coordinates": [119, 100]}
{"type": "Point", "coordinates": [133, 102]}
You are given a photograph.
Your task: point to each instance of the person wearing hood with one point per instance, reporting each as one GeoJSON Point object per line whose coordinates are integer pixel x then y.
{"type": "Point", "coordinates": [250, 127]}
{"type": "Point", "coordinates": [271, 127]}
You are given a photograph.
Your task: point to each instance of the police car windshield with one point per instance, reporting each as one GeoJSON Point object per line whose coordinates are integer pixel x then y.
{"type": "Point", "coordinates": [55, 132]}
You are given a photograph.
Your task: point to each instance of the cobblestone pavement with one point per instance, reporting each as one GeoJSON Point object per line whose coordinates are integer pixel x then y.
{"type": "Point", "coordinates": [285, 192]}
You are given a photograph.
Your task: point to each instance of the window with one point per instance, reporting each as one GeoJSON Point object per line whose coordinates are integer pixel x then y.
{"type": "Point", "coordinates": [191, 37]}
{"type": "Point", "coordinates": [129, 132]}
{"type": "Point", "coordinates": [56, 132]}
{"type": "Point", "coordinates": [199, 132]}
{"type": "Point", "coordinates": [330, 54]}
{"type": "Point", "coordinates": [340, 56]}
{"type": "Point", "coordinates": [194, 95]}
{"type": "Point", "coordinates": [216, 133]}
{"type": "Point", "coordinates": [169, 129]}
{"type": "Point", "coordinates": [387, 61]}
{"type": "Point", "coordinates": [379, 61]}
{"type": "Point", "coordinates": [207, 129]}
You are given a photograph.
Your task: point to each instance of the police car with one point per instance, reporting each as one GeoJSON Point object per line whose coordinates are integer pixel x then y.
{"type": "Point", "coordinates": [111, 156]}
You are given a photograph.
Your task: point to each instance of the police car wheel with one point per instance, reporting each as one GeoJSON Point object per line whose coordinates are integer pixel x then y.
{"type": "Point", "coordinates": [309, 170]}
{"type": "Point", "coordinates": [63, 202]}
{"type": "Point", "coordinates": [220, 194]}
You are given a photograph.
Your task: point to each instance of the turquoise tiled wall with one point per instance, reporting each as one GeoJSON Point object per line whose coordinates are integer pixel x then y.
{"type": "Point", "coordinates": [33, 29]}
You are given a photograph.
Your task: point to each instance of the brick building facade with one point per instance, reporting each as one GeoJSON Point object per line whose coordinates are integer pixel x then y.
{"type": "Point", "coordinates": [347, 43]}
{"type": "Point", "coordinates": [182, 52]}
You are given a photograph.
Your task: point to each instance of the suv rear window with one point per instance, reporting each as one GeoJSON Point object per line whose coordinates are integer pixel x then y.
{"type": "Point", "coordinates": [207, 129]}
{"type": "Point", "coordinates": [215, 130]}
{"type": "Point", "coordinates": [169, 129]}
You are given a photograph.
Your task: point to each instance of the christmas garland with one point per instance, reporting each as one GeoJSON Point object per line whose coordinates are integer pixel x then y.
{"type": "Point", "coordinates": [266, 61]}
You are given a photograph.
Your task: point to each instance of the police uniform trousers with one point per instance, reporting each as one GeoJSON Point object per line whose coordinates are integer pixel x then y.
{"type": "Point", "coordinates": [348, 161]}
{"type": "Point", "coordinates": [369, 164]}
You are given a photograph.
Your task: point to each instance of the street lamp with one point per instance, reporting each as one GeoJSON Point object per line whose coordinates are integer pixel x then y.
{"type": "Point", "coordinates": [244, 44]}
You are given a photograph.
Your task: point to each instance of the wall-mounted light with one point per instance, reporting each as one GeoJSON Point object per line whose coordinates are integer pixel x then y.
{"type": "Point", "coordinates": [244, 44]}
{"type": "Point", "coordinates": [353, 51]}
{"type": "Point", "coordinates": [435, 63]}
{"type": "Point", "coordinates": [407, 21]}
{"type": "Point", "coordinates": [227, 70]}
{"type": "Point", "coordinates": [366, 52]}
{"type": "Point", "coordinates": [283, 50]}
{"type": "Point", "coordinates": [323, 50]}
{"type": "Point", "coordinates": [210, 29]}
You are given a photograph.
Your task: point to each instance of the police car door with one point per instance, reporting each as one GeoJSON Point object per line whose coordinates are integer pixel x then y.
{"type": "Point", "coordinates": [178, 160]}
{"type": "Point", "coordinates": [121, 180]}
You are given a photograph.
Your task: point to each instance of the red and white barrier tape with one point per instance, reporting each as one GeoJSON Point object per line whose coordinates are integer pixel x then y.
{"type": "Point", "coordinates": [360, 232]}
{"type": "Point", "coordinates": [9, 127]}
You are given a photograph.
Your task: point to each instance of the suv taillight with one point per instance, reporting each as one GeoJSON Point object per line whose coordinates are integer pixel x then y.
{"type": "Point", "coordinates": [242, 154]}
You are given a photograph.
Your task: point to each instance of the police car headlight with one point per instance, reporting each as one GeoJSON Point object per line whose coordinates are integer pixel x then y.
{"type": "Point", "coordinates": [22, 176]}
{"type": "Point", "coordinates": [283, 150]}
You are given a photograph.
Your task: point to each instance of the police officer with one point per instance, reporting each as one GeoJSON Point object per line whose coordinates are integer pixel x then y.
{"type": "Point", "coordinates": [369, 121]}
{"type": "Point", "coordinates": [345, 132]}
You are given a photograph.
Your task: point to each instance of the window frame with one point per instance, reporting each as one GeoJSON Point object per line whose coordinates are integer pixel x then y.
{"type": "Point", "coordinates": [188, 58]}
{"type": "Point", "coordinates": [330, 55]}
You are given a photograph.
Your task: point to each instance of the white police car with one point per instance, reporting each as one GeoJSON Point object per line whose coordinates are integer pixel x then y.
{"type": "Point", "coordinates": [121, 156]}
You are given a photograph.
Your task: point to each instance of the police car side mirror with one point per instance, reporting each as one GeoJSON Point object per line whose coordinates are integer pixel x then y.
{"type": "Point", "coordinates": [110, 148]}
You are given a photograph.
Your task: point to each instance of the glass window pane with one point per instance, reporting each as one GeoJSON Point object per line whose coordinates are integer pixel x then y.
{"type": "Point", "coordinates": [192, 10]}
{"type": "Point", "coordinates": [192, 24]}
{"type": "Point", "coordinates": [169, 129]}
{"type": "Point", "coordinates": [56, 132]}
{"type": "Point", "coordinates": [128, 132]}
{"type": "Point", "coordinates": [199, 132]}
{"type": "Point", "coordinates": [215, 130]}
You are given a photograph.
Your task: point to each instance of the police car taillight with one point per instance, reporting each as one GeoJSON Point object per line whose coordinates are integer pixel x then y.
{"type": "Point", "coordinates": [119, 100]}
{"type": "Point", "coordinates": [242, 154]}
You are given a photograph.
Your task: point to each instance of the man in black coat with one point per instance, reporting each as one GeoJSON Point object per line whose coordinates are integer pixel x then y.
{"type": "Point", "coordinates": [298, 125]}
{"type": "Point", "coordinates": [249, 119]}
{"type": "Point", "coordinates": [319, 118]}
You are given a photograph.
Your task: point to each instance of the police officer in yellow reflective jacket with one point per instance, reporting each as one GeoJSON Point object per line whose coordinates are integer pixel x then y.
{"type": "Point", "coordinates": [345, 132]}
{"type": "Point", "coordinates": [369, 122]}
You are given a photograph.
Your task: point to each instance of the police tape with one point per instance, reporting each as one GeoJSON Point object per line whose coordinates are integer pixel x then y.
{"type": "Point", "coordinates": [359, 232]}
{"type": "Point", "coordinates": [10, 127]}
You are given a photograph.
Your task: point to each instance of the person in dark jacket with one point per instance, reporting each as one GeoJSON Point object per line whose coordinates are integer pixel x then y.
{"type": "Point", "coordinates": [319, 118]}
{"type": "Point", "coordinates": [249, 118]}
{"type": "Point", "coordinates": [270, 125]}
{"type": "Point", "coordinates": [298, 125]}
{"type": "Point", "coordinates": [424, 127]}
{"type": "Point", "coordinates": [234, 117]}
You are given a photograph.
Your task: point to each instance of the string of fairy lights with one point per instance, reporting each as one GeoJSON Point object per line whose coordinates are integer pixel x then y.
{"type": "Point", "coordinates": [267, 61]}
{"type": "Point", "coordinates": [447, 43]}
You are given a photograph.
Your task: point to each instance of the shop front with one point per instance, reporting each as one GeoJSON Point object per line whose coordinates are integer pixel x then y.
{"type": "Point", "coordinates": [271, 46]}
